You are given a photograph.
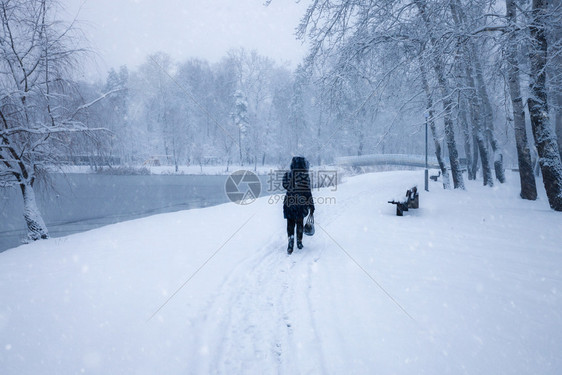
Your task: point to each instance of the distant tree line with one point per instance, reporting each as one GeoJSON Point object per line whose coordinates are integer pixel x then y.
{"type": "Point", "coordinates": [246, 109]}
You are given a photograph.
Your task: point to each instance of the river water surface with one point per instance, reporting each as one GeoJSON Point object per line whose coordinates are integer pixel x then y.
{"type": "Point", "coordinates": [80, 202]}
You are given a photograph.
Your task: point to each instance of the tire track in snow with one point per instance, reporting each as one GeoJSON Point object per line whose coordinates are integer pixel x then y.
{"type": "Point", "coordinates": [247, 345]}
{"type": "Point", "coordinates": [285, 331]}
{"type": "Point", "coordinates": [236, 334]}
{"type": "Point", "coordinates": [305, 345]}
{"type": "Point", "coordinates": [212, 320]}
{"type": "Point", "coordinates": [261, 319]}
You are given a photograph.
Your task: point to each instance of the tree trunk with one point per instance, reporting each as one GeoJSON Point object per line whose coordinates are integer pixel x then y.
{"type": "Point", "coordinates": [361, 142]}
{"type": "Point", "coordinates": [547, 147]}
{"type": "Point", "coordinates": [458, 181]}
{"type": "Point", "coordinates": [36, 228]}
{"type": "Point", "coordinates": [240, 145]}
{"type": "Point", "coordinates": [466, 135]}
{"type": "Point", "coordinates": [483, 151]}
{"type": "Point", "coordinates": [474, 166]}
{"type": "Point", "coordinates": [554, 39]}
{"type": "Point", "coordinates": [425, 84]}
{"type": "Point", "coordinates": [559, 118]}
{"type": "Point", "coordinates": [488, 116]}
{"type": "Point", "coordinates": [477, 129]}
{"type": "Point", "coordinates": [481, 109]}
{"type": "Point", "coordinates": [526, 177]}
{"type": "Point", "coordinates": [438, 153]}
{"type": "Point", "coordinates": [558, 96]}
{"type": "Point", "coordinates": [175, 155]}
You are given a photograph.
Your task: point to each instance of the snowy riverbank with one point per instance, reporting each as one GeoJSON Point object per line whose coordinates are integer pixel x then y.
{"type": "Point", "coordinates": [468, 283]}
{"type": "Point", "coordinates": [220, 170]}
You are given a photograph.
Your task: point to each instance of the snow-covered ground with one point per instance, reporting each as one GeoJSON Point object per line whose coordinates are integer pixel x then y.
{"type": "Point", "coordinates": [468, 283]}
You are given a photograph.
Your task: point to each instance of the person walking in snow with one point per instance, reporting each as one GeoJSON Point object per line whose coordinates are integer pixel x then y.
{"type": "Point", "coordinates": [298, 201]}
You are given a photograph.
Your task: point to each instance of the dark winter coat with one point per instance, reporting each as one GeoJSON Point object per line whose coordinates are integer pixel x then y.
{"type": "Point", "coordinates": [298, 200]}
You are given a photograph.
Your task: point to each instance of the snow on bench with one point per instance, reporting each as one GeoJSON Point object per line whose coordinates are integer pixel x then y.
{"type": "Point", "coordinates": [410, 200]}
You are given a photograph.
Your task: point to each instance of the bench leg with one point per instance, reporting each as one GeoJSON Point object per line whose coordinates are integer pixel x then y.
{"type": "Point", "coordinates": [399, 210]}
{"type": "Point", "coordinates": [416, 202]}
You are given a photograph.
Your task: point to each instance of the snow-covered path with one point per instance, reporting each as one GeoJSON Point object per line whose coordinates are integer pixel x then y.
{"type": "Point", "coordinates": [469, 283]}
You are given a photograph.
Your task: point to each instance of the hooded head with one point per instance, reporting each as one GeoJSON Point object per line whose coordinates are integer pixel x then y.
{"type": "Point", "coordinates": [299, 163]}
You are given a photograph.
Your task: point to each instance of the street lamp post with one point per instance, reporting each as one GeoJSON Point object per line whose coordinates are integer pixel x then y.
{"type": "Point", "coordinates": [426, 171]}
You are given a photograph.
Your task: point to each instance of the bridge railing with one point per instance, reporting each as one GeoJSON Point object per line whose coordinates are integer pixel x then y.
{"type": "Point", "coordinates": [387, 159]}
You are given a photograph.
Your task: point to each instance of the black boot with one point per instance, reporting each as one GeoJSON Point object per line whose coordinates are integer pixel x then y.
{"type": "Point", "coordinates": [299, 237]}
{"type": "Point", "coordinates": [291, 243]}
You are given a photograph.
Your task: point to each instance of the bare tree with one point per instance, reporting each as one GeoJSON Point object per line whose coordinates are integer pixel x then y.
{"type": "Point", "coordinates": [431, 119]}
{"type": "Point", "coordinates": [547, 147]}
{"type": "Point", "coordinates": [439, 69]}
{"type": "Point", "coordinates": [38, 113]}
{"type": "Point", "coordinates": [467, 136]}
{"type": "Point", "coordinates": [528, 185]}
{"type": "Point", "coordinates": [555, 51]}
{"type": "Point", "coordinates": [240, 119]}
{"type": "Point", "coordinates": [472, 59]}
{"type": "Point", "coordinates": [478, 127]}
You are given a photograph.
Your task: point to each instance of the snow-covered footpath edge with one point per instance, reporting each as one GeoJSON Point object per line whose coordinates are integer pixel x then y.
{"type": "Point", "coordinates": [468, 283]}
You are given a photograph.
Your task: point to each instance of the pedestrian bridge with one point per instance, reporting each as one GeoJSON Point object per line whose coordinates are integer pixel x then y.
{"type": "Point", "coordinates": [387, 159]}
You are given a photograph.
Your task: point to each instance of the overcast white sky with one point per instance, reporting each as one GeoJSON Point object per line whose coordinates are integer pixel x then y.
{"type": "Point", "coordinates": [126, 31]}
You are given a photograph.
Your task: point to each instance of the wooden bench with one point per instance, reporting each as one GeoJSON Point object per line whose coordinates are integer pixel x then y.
{"type": "Point", "coordinates": [410, 200]}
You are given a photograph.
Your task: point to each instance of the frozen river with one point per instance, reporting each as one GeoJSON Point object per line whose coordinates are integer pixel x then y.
{"type": "Point", "coordinates": [82, 202]}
